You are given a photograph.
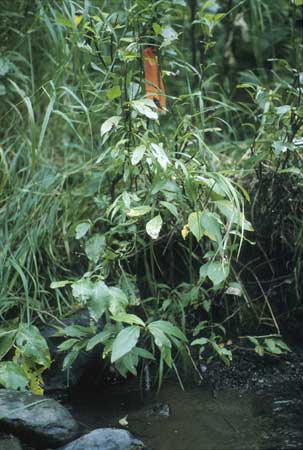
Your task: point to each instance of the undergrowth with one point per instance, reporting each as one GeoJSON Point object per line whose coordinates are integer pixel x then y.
{"type": "Point", "coordinates": [140, 213]}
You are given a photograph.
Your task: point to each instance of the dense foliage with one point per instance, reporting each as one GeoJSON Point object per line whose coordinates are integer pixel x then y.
{"type": "Point", "coordinates": [178, 228]}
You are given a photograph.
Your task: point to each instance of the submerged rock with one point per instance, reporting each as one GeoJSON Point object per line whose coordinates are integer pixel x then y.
{"type": "Point", "coordinates": [106, 439]}
{"type": "Point", "coordinates": [9, 442]}
{"type": "Point", "coordinates": [152, 411]}
{"type": "Point", "coordinates": [38, 420]}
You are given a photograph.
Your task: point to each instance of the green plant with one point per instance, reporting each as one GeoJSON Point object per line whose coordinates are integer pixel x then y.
{"type": "Point", "coordinates": [270, 345]}
{"type": "Point", "coordinates": [31, 357]}
{"type": "Point", "coordinates": [144, 213]}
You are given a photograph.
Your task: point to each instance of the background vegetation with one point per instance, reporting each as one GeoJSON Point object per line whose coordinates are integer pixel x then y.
{"type": "Point", "coordinates": [181, 231]}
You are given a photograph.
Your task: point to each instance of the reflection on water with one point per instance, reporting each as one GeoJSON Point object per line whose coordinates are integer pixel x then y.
{"type": "Point", "coordinates": [199, 421]}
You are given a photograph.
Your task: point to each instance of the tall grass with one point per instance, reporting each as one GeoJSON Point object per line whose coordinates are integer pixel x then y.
{"type": "Point", "coordinates": [57, 172]}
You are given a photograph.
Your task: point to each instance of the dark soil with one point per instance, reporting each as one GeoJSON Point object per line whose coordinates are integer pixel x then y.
{"type": "Point", "coordinates": [250, 371]}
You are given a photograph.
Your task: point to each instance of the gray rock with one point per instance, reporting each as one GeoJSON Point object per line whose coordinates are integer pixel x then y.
{"type": "Point", "coordinates": [38, 420]}
{"type": "Point", "coordinates": [153, 411]}
{"type": "Point", "coordinates": [158, 409]}
{"type": "Point", "coordinates": [55, 379]}
{"type": "Point", "coordinates": [9, 442]}
{"type": "Point", "coordinates": [106, 439]}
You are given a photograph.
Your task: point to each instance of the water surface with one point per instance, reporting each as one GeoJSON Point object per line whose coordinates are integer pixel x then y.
{"type": "Point", "coordinates": [230, 420]}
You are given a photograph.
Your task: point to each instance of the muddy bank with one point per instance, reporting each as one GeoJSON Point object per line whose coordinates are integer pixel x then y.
{"type": "Point", "coordinates": [249, 371]}
{"type": "Point", "coordinates": [201, 418]}
{"type": "Point", "coordinates": [255, 404]}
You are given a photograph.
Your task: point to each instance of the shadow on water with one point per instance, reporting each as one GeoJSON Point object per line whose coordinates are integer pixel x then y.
{"type": "Point", "coordinates": [196, 420]}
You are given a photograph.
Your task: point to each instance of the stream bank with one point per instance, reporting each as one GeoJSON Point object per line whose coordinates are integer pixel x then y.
{"type": "Point", "coordinates": [255, 404]}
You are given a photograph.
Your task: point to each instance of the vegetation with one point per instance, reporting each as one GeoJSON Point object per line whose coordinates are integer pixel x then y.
{"type": "Point", "coordinates": [179, 226]}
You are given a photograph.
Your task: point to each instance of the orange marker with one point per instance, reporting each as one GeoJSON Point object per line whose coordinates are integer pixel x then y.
{"type": "Point", "coordinates": [154, 86]}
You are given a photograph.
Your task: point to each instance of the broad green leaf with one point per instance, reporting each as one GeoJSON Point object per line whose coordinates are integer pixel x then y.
{"type": "Point", "coordinates": [206, 305]}
{"type": "Point", "coordinates": [67, 345]}
{"type": "Point", "coordinates": [233, 214]}
{"type": "Point", "coordinates": [133, 90]}
{"type": "Point", "coordinates": [6, 343]}
{"type": "Point", "coordinates": [12, 376]}
{"type": "Point", "coordinates": [128, 363]}
{"type": "Point", "coordinates": [95, 295]}
{"type": "Point", "coordinates": [253, 339]}
{"type": "Point", "coordinates": [82, 290]}
{"type": "Point", "coordinates": [131, 319]}
{"type": "Point", "coordinates": [272, 346]}
{"type": "Point", "coordinates": [138, 211]}
{"type": "Point", "coordinates": [32, 345]}
{"type": "Point", "coordinates": [169, 35]}
{"type": "Point", "coordinates": [223, 352]}
{"type": "Point", "coordinates": [161, 340]}
{"type": "Point", "coordinates": [203, 272]}
{"type": "Point", "coordinates": [153, 227]}
{"type": "Point", "coordinates": [171, 208]}
{"type": "Point", "coordinates": [216, 190]}
{"type": "Point", "coordinates": [282, 345]}
{"type": "Point", "coordinates": [82, 229]}
{"type": "Point", "coordinates": [234, 289]}
{"type": "Point", "coordinates": [113, 92]}
{"type": "Point", "coordinates": [166, 355]}
{"type": "Point", "coordinates": [201, 341]}
{"type": "Point", "coordinates": [75, 331]}
{"type": "Point", "coordinates": [61, 20]}
{"type": "Point", "coordinates": [259, 350]}
{"type": "Point", "coordinates": [160, 155]}
{"type": "Point", "coordinates": [157, 28]}
{"type": "Point", "coordinates": [145, 107]}
{"type": "Point", "coordinates": [129, 286]}
{"type": "Point", "coordinates": [99, 300]}
{"type": "Point", "coordinates": [217, 272]}
{"type": "Point", "coordinates": [118, 301]}
{"type": "Point", "coordinates": [144, 353]}
{"type": "Point", "coordinates": [281, 110]}
{"type": "Point", "coordinates": [69, 359]}
{"type": "Point", "coordinates": [211, 226]}
{"type": "Point", "coordinates": [125, 342]}
{"type": "Point", "coordinates": [195, 225]}
{"type": "Point", "coordinates": [168, 328]}
{"type": "Point", "coordinates": [279, 147]}
{"type": "Point", "coordinates": [109, 124]}
{"type": "Point", "coordinates": [138, 154]}
{"type": "Point", "coordinates": [94, 247]}
{"type": "Point", "coordinates": [99, 338]}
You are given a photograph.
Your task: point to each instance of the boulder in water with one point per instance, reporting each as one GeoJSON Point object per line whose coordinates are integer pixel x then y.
{"type": "Point", "coordinates": [106, 439]}
{"type": "Point", "coordinates": [38, 420]}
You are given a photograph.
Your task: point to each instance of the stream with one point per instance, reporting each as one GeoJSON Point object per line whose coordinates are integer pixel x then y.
{"type": "Point", "coordinates": [198, 419]}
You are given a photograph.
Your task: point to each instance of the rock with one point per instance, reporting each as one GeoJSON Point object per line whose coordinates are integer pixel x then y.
{"type": "Point", "coordinates": [106, 439]}
{"type": "Point", "coordinates": [54, 378]}
{"type": "Point", "coordinates": [9, 442]}
{"type": "Point", "coordinates": [158, 409]}
{"type": "Point", "coordinates": [38, 420]}
{"type": "Point", "coordinates": [152, 411]}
